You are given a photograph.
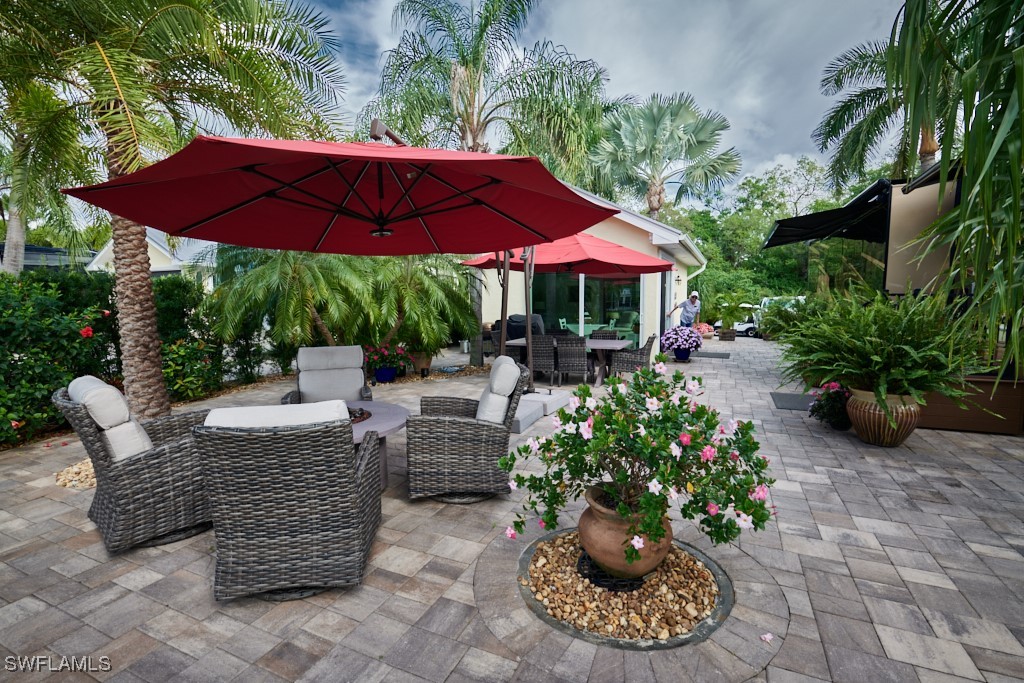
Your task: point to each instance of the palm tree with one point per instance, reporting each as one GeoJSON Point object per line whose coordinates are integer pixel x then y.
{"type": "Point", "coordinates": [861, 123]}
{"type": "Point", "coordinates": [983, 42]}
{"type": "Point", "coordinates": [258, 67]}
{"type": "Point", "coordinates": [423, 300]}
{"type": "Point", "coordinates": [306, 295]}
{"type": "Point", "coordinates": [46, 152]}
{"type": "Point", "coordinates": [458, 79]}
{"type": "Point", "coordinates": [665, 139]}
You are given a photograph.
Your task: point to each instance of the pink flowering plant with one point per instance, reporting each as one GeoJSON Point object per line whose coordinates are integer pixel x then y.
{"type": "Point", "coordinates": [685, 338]}
{"type": "Point", "coordinates": [386, 356]}
{"type": "Point", "coordinates": [649, 446]}
{"type": "Point", "coordinates": [830, 405]}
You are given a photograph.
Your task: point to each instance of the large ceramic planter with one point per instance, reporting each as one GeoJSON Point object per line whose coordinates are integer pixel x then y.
{"type": "Point", "coordinates": [421, 360]}
{"type": "Point", "coordinates": [871, 423]}
{"type": "Point", "coordinates": [604, 535]}
{"type": "Point", "coordinates": [682, 354]}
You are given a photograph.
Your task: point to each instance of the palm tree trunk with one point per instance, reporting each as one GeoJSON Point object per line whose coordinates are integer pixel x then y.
{"type": "Point", "coordinates": [326, 333]}
{"type": "Point", "coordinates": [928, 149]}
{"type": "Point", "coordinates": [655, 199]}
{"type": "Point", "coordinates": [136, 312]}
{"type": "Point", "coordinates": [14, 245]}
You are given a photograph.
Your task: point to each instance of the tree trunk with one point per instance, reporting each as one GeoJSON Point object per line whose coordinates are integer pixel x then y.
{"type": "Point", "coordinates": [318, 322]}
{"type": "Point", "coordinates": [136, 317]}
{"type": "Point", "coordinates": [14, 245]}
{"type": "Point", "coordinates": [655, 199]}
{"type": "Point", "coordinates": [928, 149]}
{"type": "Point", "coordinates": [136, 312]}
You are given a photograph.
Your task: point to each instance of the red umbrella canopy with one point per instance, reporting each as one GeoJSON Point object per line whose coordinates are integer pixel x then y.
{"type": "Point", "coordinates": [581, 253]}
{"type": "Point", "coordinates": [347, 198]}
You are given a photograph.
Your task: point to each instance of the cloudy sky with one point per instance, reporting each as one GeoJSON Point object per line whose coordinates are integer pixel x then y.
{"type": "Point", "coordinates": [758, 62]}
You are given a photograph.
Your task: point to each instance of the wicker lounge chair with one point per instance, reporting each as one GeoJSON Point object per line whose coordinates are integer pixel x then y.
{"type": "Point", "coordinates": [628, 361]}
{"type": "Point", "coordinates": [295, 507]}
{"type": "Point", "coordinates": [145, 494]}
{"type": "Point", "coordinates": [452, 452]}
{"type": "Point", "coordinates": [327, 373]}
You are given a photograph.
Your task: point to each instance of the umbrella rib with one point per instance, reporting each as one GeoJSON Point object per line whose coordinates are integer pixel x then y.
{"type": "Point", "coordinates": [337, 210]}
{"type": "Point", "coordinates": [406, 190]}
{"type": "Point", "coordinates": [458, 193]}
{"type": "Point", "coordinates": [294, 185]}
{"type": "Point", "coordinates": [351, 186]}
{"type": "Point", "coordinates": [330, 225]}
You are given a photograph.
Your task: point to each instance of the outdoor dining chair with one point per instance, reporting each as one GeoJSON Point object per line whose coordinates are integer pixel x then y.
{"type": "Point", "coordinates": [572, 356]}
{"type": "Point", "coordinates": [543, 348]}
{"type": "Point", "coordinates": [149, 481]}
{"type": "Point", "coordinates": [295, 504]}
{"type": "Point", "coordinates": [604, 334]}
{"type": "Point", "coordinates": [328, 373]}
{"type": "Point", "coordinates": [455, 443]}
{"type": "Point", "coordinates": [629, 361]}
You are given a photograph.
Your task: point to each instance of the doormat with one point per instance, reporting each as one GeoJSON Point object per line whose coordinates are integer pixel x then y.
{"type": "Point", "coordinates": [785, 401]}
{"type": "Point", "coordinates": [710, 354]}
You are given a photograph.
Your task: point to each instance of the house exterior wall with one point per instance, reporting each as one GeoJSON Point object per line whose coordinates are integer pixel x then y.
{"type": "Point", "coordinates": [909, 215]}
{"type": "Point", "coordinates": [158, 259]}
{"type": "Point", "coordinates": [652, 307]}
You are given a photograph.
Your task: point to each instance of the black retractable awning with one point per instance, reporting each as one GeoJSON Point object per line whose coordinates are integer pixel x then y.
{"type": "Point", "coordinates": [865, 217]}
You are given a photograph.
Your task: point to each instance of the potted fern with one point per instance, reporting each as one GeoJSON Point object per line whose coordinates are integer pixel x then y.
{"type": "Point", "coordinates": [890, 354]}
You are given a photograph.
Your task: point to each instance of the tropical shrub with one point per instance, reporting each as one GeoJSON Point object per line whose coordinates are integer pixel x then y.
{"type": "Point", "coordinates": [830, 405]}
{"type": "Point", "coordinates": [648, 445]}
{"type": "Point", "coordinates": [178, 300]}
{"type": "Point", "coordinates": [42, 348]}
{"type": "Point", "coordinates": [190, 370]}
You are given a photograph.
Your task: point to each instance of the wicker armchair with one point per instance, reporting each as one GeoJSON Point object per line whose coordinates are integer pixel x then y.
{"type": "Point", "coordinates": [628, 361]}
{"type": "Point", "coordinates": [325, 373]}
{"type": "Point", "coordinates": [294, 507]}
{"type": "Point", "coordinates": [452, 455]}
{"type": "Point", "coordinates": [604, 334]}
{"type": "Point", "coordinates": [150, 498]}
{"type": "Point", "coordinates": [543, 348]}
{"type": "Point", "coordinates": [572, 356]}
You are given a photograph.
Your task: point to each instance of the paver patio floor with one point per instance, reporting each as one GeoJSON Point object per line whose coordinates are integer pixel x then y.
{"type": "Point", "coordinates": [897, 564]}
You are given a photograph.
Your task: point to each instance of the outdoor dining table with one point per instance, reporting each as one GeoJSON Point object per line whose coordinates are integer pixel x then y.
{"type": "Point", "coordinates": [601, 347]}
{"type": "Point", "coordinates": [385, 419]}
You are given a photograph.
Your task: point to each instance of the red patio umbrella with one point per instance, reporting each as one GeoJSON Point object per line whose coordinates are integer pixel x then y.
{"type": "Point", "coordinates": [580, 253]}
{"type": "Point", "coordinates": [347, 198]}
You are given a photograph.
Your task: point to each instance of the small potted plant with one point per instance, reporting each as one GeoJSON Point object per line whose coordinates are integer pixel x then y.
{"type": "Point", "coordinates": [830, 405]}
{"type": "Point", "coordinates": [704, 330]}
{"type": "Point", "coordinates": [385, 361]}
{"type": "Point", "coordinates": [642, 447]}
{"type": "Point", "coordinates": [682, 340]}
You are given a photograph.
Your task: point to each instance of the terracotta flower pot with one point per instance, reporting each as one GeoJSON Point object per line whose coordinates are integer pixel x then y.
{"type": "Point", "coordinates": [421, 360]}
{"type": "Point", "coordinates": [604, 535]}
{"type": "Point", "coordinates": [871, 423]}
{"type": "Point", "coordinates": [726, 335]}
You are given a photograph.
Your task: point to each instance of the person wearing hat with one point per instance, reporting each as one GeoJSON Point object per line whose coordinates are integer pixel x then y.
{"type": "Point", "coordinates": [689, 310]}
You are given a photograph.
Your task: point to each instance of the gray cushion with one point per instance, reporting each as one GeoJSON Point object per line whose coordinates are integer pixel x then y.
{"type": "Point", "coordinates": [495, 398]}
{"type": "Point", "coordinates": [278, 416]}
{"type": "Point", "coordinates": [126, 439]}
{"type": "Point", "coordinates": [106, 405]}
{"type": "Point", "coordinates": [329, 357]}
{"type": "Point", "coordinates": [328, 385]}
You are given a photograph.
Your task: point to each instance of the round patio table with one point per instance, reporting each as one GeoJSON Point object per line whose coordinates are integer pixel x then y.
{"type": "Point", "coordinates": [385, 419]}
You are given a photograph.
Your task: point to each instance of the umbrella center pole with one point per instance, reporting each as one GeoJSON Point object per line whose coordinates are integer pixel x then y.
{"type": "Point", "coordinates": [528, 286]}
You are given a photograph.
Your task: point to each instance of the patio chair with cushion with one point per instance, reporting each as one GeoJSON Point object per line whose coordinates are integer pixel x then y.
{"type": "Point", "coordinates": [455, 443]}
{"type": "Point", "coordinates": [328, 373]}
{"type": "Point", "coordinates": [295, 504]}
{"type": "Point", "coordinates": [572, 356]}
{"type": "Point", "coordinates": [629, 361]}
{"type": "Point", "coordinates": [149, 481]}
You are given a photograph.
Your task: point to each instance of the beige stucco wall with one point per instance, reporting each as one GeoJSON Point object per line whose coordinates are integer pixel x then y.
{"type": "Point", "coordinates": [910, 214]}
{"type": "Point", "coordinates": [613, 230]}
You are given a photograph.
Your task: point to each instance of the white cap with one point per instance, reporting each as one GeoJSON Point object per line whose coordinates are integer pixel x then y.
{"type": "Point", "coordinates": [694, 294]}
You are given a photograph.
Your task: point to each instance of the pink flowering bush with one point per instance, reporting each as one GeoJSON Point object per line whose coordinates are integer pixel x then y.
{"type": "Point", "coordinates": [649, 446]}
{"type": "Point", "coordinates": [386, 356]}
{"type": "Point", "coordinates": [830, 405]}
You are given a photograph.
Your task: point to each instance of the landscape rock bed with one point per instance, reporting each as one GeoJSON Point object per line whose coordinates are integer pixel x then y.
{"type": "Point", "coordinates": [672, 606]}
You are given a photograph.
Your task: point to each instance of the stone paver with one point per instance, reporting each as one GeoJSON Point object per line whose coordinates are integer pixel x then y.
{"type": "Point", "coordinates": [899, 564]}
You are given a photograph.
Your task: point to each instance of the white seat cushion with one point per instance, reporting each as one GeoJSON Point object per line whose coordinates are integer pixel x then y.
{"type": "Point", "coordinates": [278, 416]}
{"type": "Point", "coordinates": [329, 357]}
{"type": "Point", "coordinates": [126, 439]}
{"type": "Point", "coordinates": [106, 405]}
{"type": "Point", "coordinates": [495, 397]}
